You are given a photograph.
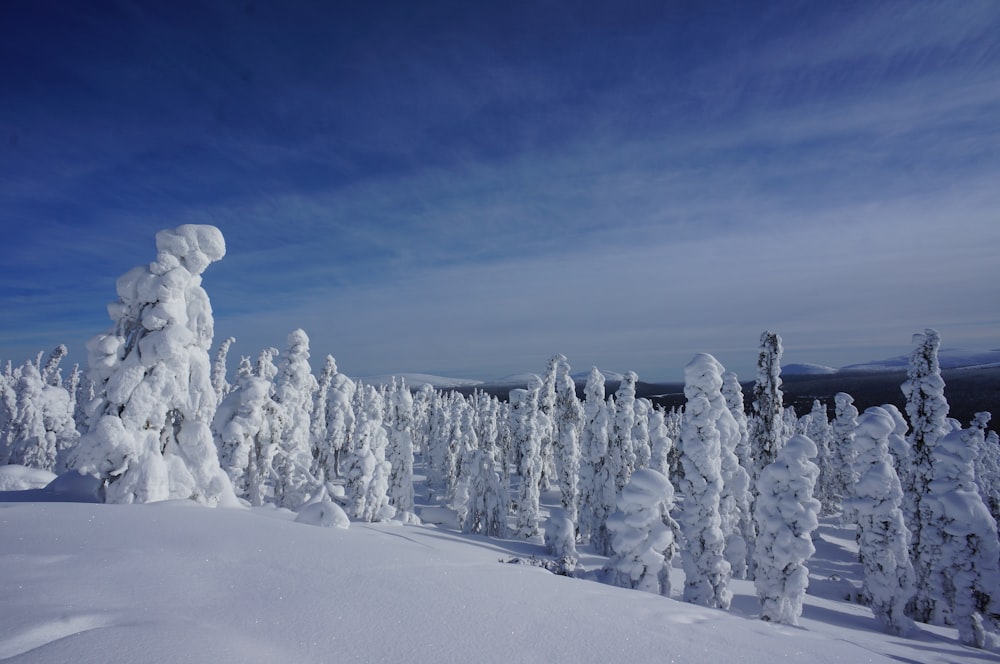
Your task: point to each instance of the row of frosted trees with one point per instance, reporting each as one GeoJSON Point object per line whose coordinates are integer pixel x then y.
{"type": "Point", "coordinates": [155, 418]}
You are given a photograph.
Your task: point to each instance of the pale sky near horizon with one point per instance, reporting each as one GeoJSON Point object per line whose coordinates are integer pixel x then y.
{"type": "Point", "coordinates": [466, 188]}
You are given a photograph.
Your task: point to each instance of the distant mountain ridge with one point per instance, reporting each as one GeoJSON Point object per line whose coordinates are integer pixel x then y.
{"type": "Point", "coordinates": [949, 358]}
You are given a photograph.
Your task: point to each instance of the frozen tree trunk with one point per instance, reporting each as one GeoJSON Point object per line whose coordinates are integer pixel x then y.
{"type": "Point", "coordinates": [786, 514]}
{"type": "Point", "coordinates": [706, 570]}
{"type": "Point", "coordinates": [644, 536]}
{"type": "Point", "coordinates": [883, 538]}
{"type": "Point", "coordinates": [150, 439]}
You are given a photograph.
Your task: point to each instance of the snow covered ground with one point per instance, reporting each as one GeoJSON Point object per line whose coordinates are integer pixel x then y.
{"type": "Point", "coordinates": [175, 582]}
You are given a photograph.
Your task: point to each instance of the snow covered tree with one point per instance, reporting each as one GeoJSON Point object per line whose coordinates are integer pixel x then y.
{"type": "Point", "coordinates": [817, 429]}
{"type": "Point", "coordinates": [27, 442]}
{"type": "Point", "coordinates": [767, 424]}
{"type": "Point", "coordinates": [843, 477]}
{"type": "Point", "coordinates": [597, 482]}
{"type": "Point", "coordinates": [928, 412]}
{"type": "Point", "coordinates": [706, 570]}
{"type": "Point", "coordinates": [238, 424]}
{"type": "Point", "coordinates": [644, 537]}
{"type": "Point", "coordinates": [786, 514]}
{"type": "Point", "coordinates": [883, 538]}
{"type": "Point", "coordinates": [988, 471]}
{"type": "Point", "coordinates": [219, 382]}
{"type": "Point", "coordinates": [568, 415]}
{"type": "Point", "coordinates": [439, 450]}
{"type": "Point", "coordinates": [964, 555]}
{"type": "Point", "coordinates": [340, 420]}
{"type": "Point", "coordinates": [560, 541]}
{"type": "Point", "coordinates": [529, 422]}
{"type": "Point", "coordinates": [50, 372]}
{"type": "Point", "coordinates": [660, 442]}
{"type": "Point", "coordinates": [621, 450]}
{"type": "Point", "coordinates": [732, 392]}
{"type": "Point", "coordinates": [482, 499]}
{"type": "Point", "coordinates": [150, 438]}
{"type": "Point", "coordinates": [400, 451]}
{"type": "Point", "coordinates": [367, 471]}
{"type": "Point", "coordinates": [294, 386]}
{"type": "Point", "coordinates": [548, 431]}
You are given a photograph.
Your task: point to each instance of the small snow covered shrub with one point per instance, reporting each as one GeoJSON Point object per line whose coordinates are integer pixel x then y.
{"type": "Point", "coordinates": [643, 535]}
{"type": "Point", "coordinates": [560, 540]}
{"type": "Point", "coordinates": [786, 514]}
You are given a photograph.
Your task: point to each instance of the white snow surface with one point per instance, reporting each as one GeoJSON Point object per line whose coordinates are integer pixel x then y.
{"type": "Point", "coordinates": [177, 582]}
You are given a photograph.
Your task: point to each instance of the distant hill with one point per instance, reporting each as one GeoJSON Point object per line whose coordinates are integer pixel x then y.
{"type": "Point", "coordinates": [415, 380]}
{"type": "Point", "coordinates": [806, 370]}
{"type": "Point", "coordinates": [949, 358]}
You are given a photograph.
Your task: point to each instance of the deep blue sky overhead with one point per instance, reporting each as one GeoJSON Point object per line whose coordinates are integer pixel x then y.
{"type": "Point", "coordinates": [466, 188]}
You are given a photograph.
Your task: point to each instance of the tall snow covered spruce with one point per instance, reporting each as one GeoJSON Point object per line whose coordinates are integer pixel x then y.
{"type": "Point", "coordinates": [294, 387]}
{"type": "Point", "coordinates": [150, 439]}
{"type": "Point", "coordinates": [529, 424]}
{"type": "Point", "coordinates": [766, 425]}
{"type": "Point", "coordinates": [928, 412]}
{"type": "Point", "coordinates": [883, 538]}
{"type": "Point", "coordinates": [706, 570]}
{"type": "Point", "coordinates": [786, 514]}
{"type": "Point", "coordinates": [597, 482]}
{"type": "Point", "coordinates": [845, 422]}
{"type": "Point", "coordinates": [964, 555]}
{"type": "Point", "coordinates": [568, 415]}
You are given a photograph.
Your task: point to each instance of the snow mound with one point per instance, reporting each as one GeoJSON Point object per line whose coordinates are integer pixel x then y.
{"type": "Point", "coordinates": [19, 478]}
{"type": "Point", "coordinates": [326, 513]}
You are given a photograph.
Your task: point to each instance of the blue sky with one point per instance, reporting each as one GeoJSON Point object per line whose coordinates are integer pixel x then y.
{"type": "Point", "coordinates": [466, 188]}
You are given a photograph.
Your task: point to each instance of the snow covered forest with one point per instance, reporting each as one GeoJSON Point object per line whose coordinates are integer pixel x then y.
{"type": "Point", "coordinates": [731, 487]}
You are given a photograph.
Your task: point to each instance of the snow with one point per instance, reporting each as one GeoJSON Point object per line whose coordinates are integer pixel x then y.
{"type": "Point", "coordinates": [415, 380]}
{"type": "Point", "coordinates": [18, 478]}
{"type": "Point", "coordinates": [949, 358]}
{"type": "Point", "coordinates": [175, 582]}
{"type": "Point", "coordinates": [806, 369]}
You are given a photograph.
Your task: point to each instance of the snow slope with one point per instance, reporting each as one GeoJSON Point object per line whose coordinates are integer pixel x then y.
{"type": "Point", "coordinates": [176, 582]}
